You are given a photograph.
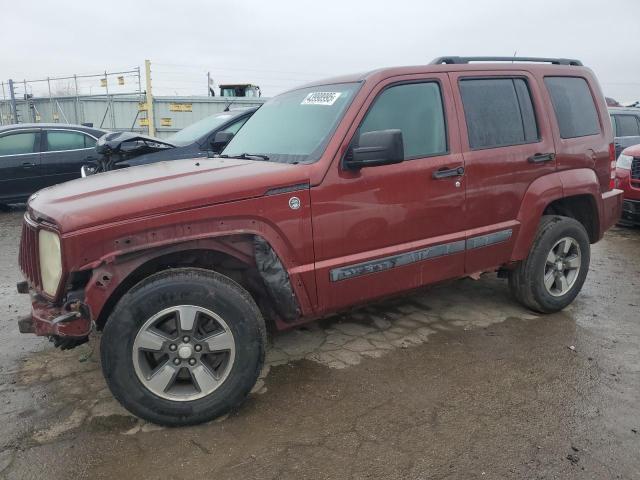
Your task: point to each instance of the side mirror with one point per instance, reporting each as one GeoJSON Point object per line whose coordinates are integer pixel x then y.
{"type": "Point", "coordinates": [380, 147]}
{"type": "Point", "coordinates": [220, 140]}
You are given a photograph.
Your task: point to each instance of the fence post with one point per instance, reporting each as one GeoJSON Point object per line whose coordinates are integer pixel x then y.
{"type": "Point", "coordinates": [150, 116]}
{"type": "Point", "coordinates": [14, 108]}
{"type": "Point", "coordinates": [27, 103]}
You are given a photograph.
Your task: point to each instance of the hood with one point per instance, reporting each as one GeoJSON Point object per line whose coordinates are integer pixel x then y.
{"type": "Point", "coordinates": [632, 151]}
{"type": "Point", "coordinates": [159, 188]}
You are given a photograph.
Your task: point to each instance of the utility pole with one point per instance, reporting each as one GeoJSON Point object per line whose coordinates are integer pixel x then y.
{"type": "Point", "coordinates": [150, 116]}
{"type": "Point", "coordinates": [53, 114]}
{"type": "Point", "coordinates": [14, 108]}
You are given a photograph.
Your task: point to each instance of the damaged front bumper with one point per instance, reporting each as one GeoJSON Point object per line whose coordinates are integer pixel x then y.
{"type": "Point", "coordinates": [67, 326]}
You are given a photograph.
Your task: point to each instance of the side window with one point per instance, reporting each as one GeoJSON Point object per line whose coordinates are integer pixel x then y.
{"type": "Point", "coordinates": [498, 111]}
{"type": "Point", "coordinates": [19, 143]}
{"type": "Point", "coordinates": [234, 127]}
{"type": "Point", "coordinates": [58, 140]}
{"type": "Point", "coordinates": [627, 126]}
{"type": "Point", "coordinates": [417, 110]}
{"type": "Point", "coordinates": [89, 142]}
{"type": "Point", "coordinates": [573, 104]}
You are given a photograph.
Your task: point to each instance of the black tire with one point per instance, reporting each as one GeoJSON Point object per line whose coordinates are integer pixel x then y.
{"type": "Point", "coordinates": [166, 289]}
{"type": "Point", "coordinates": [526, 281]}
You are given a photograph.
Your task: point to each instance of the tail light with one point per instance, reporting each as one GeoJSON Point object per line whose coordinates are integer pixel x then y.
{"type": "Point", "coordinates": [612, 166]}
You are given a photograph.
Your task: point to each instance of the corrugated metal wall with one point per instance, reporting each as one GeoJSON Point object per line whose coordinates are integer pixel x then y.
{"type": "Point", "coordinates": [122, 112]}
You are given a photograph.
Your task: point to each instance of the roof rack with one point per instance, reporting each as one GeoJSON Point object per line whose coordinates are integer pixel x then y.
{"type": "Point", "coordinates": [461, 60]}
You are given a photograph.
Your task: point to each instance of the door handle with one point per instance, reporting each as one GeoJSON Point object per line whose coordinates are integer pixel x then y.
{"type": "Point", "coordinates": [445, 172]}
{"type": "Point", "coordinates": [28, 165]}
{"type": "Point", "coordinates": [541, 157]}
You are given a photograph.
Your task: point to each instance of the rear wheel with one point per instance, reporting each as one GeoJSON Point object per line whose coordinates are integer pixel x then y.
{"type": "Point", "coordinates": [555, 270]}
{"type": "Point", "coordinates": [183, 346]}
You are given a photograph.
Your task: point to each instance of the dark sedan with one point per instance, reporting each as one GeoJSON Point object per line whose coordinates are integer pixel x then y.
{"type": "Point", "coordinates": [38, 155]}
{"type": "Point", "coordinates": [205, 137]}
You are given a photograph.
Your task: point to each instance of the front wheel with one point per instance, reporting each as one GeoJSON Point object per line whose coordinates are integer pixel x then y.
{"type": "Point", "coordinates": [183, 346]}
{"type": "Point", "coordinates": [555, 270]}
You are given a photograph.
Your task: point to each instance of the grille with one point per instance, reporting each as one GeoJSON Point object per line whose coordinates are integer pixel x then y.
{"type": "Point", "coordinates": [635, 169]}
{"type": "Point", "coordinates": [631, 207]}
{"type": "Point", "coordinates": [28, 257]}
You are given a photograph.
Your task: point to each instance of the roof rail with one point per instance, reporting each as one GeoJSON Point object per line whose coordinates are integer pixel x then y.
{"type": "Point", "coordinates": [461, 60]}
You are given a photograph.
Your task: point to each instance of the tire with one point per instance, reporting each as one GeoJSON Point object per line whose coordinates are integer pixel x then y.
{"type": "Point", "coordinates": [144, 338]}
{"type": "Point", "coordinates": [527, 280]}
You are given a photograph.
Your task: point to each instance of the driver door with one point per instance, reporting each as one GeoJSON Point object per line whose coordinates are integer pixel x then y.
{"type": "Point", "coordinates": [386, 229]}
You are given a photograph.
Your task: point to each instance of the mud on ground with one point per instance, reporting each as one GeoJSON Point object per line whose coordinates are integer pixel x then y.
{"type": "Point", "coordinates": [455, 381]}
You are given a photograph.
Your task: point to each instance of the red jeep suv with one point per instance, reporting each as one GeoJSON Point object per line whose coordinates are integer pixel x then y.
{"type": "Point", "coordinates": [628, 179]}
{"type": "Point", "coordinates": [332, 195]}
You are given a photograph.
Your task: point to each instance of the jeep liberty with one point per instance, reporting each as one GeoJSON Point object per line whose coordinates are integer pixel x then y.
{"type": "Point", "coordinates": [332, 195]}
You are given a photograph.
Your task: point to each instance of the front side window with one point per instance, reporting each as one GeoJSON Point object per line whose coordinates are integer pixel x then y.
{"type": "Point", "coordinates": [573, 105]}
{"type": "Point", "coordinates": [235, 126]}
{"type": "Point", "coordinates": [296, 126]}
{"type": "Point", "coordinates": [627, 126]}
{"type": "Point", "coordinates": [416, 110]}
{"type": "Point", "coordinates": [19, 143]}
{"type": "Point", "coordinates": [58, 140]}
{"type": "Point", "coordinates": [498, 111]}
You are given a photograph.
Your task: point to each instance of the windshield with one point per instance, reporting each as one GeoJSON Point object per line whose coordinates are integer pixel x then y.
{"type": "Point", "coordinates": [196, 130]}
{"type": "Point", "coordinates": [295, 126]}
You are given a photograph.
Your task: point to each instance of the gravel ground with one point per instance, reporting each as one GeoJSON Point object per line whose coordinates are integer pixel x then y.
{"type": "Point", "coordinates": [454, 381]}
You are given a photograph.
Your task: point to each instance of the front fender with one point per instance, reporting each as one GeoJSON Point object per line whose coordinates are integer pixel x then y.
{"type": "Point", "coordinates": [113, 251]}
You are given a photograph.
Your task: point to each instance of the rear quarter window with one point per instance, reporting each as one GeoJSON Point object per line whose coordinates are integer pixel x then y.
{"type": "Point", "coordinates": [573, 105]}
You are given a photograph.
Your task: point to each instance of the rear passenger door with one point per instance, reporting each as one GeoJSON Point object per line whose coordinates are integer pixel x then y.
{"type": "Point", "coordinates": [63, 154]}
{"type": "Point", "coordinates": [507, 144]}
{"type": "Point", "coordinates": [19, 162]}
{"type": "Point", "coordinates": [627, 131]}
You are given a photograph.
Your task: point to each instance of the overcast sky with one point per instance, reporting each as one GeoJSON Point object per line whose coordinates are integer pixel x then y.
{"type": "Point", "coordinates": [279, 44]}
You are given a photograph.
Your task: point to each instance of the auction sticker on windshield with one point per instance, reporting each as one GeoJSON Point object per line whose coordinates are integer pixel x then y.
{"type": "Point", "coordinates": [321, 98]}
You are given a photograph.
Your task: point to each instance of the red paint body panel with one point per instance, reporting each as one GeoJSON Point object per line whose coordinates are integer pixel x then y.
{"type": "Point", "coordinates": [631, 188]}
{"type": "Point", "coordinates": [113, 223]}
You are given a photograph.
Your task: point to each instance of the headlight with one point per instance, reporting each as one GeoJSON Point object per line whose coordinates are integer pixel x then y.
{"type": "Point", "coordinates": [50, 261]}
{"type": "Point", "coordinates": [624, 161]}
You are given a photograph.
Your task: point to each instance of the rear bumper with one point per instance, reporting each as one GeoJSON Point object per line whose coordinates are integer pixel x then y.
{"type": "Point", "coordinates": [611, 209]}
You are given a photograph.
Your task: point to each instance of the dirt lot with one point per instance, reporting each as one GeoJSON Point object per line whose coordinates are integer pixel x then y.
{"type": "Point", "coordinates": [456, 381]}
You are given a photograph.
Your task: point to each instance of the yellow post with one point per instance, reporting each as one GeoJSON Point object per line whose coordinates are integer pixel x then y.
{"type": "Point", "coordinates": [152, 124]}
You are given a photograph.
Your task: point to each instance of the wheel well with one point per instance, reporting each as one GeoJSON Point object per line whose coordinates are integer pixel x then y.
{"type": "Point", "coordinates": [581, 208]}
{"type": "Point", "coordinates": [242, 273]}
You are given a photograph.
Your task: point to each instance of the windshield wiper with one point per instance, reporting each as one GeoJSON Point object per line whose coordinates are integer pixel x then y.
{"type": "Point", "coordinates": [248, 156]}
